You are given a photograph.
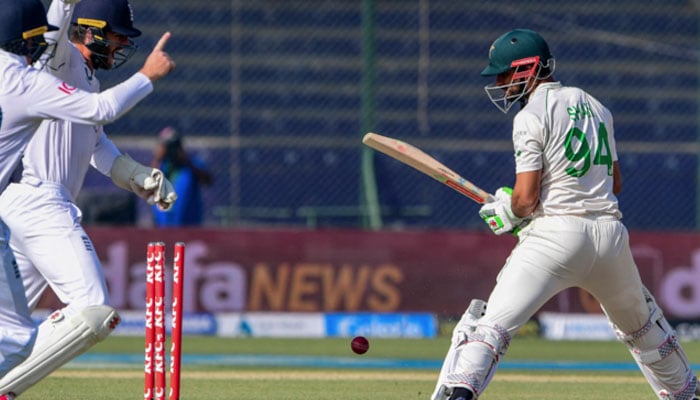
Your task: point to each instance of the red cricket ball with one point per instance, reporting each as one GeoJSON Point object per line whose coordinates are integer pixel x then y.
{"type": "Point", "coordinates": [359, 344]}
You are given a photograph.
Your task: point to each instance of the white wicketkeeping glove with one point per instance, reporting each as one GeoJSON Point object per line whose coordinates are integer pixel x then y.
{"type": "Point", "coordinates": [148, 183]}
{"type": "Point", "coordinates": [498, 214]}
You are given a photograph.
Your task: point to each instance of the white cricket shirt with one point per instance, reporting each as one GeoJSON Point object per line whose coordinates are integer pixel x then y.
{"type": "Point", "coordinates": [28, 96]}
{"type": "Point", "coordinates": [61, 151]}
{"type": "Point", "coordinates": [569, 135]}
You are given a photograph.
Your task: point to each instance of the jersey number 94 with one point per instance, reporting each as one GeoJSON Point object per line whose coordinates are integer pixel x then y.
{"type": "Point", "coordinates": [602, 154]}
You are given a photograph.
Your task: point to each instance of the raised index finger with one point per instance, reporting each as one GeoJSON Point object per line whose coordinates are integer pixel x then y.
{"type": "Point", "coordinates": [163, 40]}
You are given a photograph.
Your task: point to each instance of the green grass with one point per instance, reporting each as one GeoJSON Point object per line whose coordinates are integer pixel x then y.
{"type": "Point", "coordinates": [225, 382]}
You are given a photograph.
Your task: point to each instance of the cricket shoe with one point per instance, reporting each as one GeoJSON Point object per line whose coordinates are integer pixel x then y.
{"type": "Point", "coordinates": [460, 393]}
{"type": "Point", "coordinates": [8, 396]}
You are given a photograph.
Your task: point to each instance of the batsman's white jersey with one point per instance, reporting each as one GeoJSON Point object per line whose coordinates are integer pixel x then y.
{"type": "Point", "coordinates": [569, 135]}
{"type": "Point", "coordinates": [27, 97]}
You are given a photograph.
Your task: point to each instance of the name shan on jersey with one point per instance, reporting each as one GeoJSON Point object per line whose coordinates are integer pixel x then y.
{"type": "Point", "coordinates": [579, 111]}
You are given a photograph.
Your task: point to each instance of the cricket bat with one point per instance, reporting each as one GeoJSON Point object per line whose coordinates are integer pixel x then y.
{"type": "Point", "coordinates": [426, 164]}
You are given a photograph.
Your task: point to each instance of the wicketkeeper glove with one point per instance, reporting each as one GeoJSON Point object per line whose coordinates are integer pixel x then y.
{"type": "Point", "coordinates": [498, 214]}
{"type": "Point", "coordinates": [148, 183]}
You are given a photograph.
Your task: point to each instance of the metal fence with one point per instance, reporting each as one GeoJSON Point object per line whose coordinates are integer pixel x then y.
{"type": "Point", "coordinates": [277, 94]}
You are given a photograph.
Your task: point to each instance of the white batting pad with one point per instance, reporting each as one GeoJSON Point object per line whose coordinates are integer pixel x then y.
{"type": "Point", "coordinates": [59, 340]}
{"type": "Point", "coordinates": [465, 327]}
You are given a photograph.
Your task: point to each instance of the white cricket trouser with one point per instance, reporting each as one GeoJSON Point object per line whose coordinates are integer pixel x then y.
{"type": "Point", "coordinates": [555, 253]}
{"type": "Point", "coordinates": [51, 247]}
{"type": "Point", "coordinates": [17, 330]}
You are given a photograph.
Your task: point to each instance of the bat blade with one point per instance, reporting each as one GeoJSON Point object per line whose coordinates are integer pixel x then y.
{"type": "Point", "coordinates": [418, 159]}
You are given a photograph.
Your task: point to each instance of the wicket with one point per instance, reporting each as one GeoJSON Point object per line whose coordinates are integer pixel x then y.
{"type": "Point", "coordinates": [155, 334]}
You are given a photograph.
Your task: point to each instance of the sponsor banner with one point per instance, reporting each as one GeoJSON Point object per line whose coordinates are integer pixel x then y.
{"type": "Point", "coordinates": [327, 271]}
{"type": "Point", "coordinates": [563, 326]}
{"type": "Point", "coordinates": [687, 330]}
{"type": "Point", "coordinates": [291, 325]}
{"type": "Point", "coordinates": [382, 325]}
{"type": "Point", "coordinates": [560, 326]}
{"type": "Point", "coordinates": [133, 324]}
{"type": "Point", "coordinates": [227, 324]}
{"type": "Point", "coordinates": [308, 325]}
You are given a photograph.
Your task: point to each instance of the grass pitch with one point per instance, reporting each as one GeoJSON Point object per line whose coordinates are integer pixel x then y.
{"type": "Point", "coordinates": [251, 382]}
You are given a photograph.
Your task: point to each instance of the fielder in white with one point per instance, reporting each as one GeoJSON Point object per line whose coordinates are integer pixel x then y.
{"type": "Point", "coordinates": [564, 208]}
{"type": "Point", "coordinates": [40, 206]}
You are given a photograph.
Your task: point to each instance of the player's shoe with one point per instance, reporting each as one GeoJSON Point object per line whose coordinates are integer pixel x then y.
{"type": "Point", "coordinates": [8, 396]}
{"type": "Point", "coordinates": [460, 393]}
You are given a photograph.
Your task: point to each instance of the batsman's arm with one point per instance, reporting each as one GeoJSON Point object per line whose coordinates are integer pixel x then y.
{"type": "Point", "coordinates": [526, 193]}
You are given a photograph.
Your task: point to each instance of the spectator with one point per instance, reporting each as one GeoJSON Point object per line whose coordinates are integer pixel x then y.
{"type": "Point", "coordinates": [188, 174]}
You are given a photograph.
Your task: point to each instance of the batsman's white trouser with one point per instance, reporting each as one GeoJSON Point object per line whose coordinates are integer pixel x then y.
{"type": "Point", "coordinates": [17, 329]}
{"type": "Point", "coordinates": [59, 340]}
{"type": "Point", "coordinates": [51, 247]}
{"type": "Point", "coordinates": [553, 254]}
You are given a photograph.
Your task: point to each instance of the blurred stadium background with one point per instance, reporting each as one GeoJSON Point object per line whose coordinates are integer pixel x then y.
{"type": "Point", "coordinates": [275, 95]}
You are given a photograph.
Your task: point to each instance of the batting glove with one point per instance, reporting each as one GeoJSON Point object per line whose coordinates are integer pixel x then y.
{"type": "Point", "coordinates": [498, 214]}
{"type": "Point", "coordinates": [148, 183]}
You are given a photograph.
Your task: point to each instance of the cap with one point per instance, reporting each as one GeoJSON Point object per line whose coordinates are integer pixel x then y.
{"type": "Point", "coordinates": [515, 45]}
{"type": "Point", "coordinates": [22, 19]}
{"type": "Point", "coordinates": [113, 15]}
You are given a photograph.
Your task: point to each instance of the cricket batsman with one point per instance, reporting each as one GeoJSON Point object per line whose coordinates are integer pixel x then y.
{"type": "Point", "coordinates": [565, 207]}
